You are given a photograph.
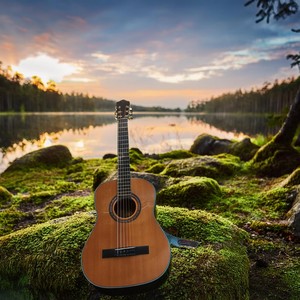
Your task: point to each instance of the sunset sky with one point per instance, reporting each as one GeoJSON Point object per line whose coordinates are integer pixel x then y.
{"type": "Point", "coordinates": [156, 52]}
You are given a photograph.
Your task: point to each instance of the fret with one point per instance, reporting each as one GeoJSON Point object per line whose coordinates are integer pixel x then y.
{"type": "Point", "coordinates": [124, 187]}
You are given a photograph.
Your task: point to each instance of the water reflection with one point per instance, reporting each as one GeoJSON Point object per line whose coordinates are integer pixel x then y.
{"type": "Point", "coordinates": [247, 124]}
{"type": "Point", "coordinates": [92, 135]}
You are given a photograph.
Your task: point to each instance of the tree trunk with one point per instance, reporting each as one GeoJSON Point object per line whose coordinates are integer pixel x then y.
{"type": "Point", "coordinates": [288, 130]}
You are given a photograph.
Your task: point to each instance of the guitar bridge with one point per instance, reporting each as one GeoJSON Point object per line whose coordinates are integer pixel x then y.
{"type": "Point", "coordinates": [124, 252]}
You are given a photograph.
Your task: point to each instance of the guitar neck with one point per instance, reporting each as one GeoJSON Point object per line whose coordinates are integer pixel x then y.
{"type": "Point", "coordinates": [124, 188]}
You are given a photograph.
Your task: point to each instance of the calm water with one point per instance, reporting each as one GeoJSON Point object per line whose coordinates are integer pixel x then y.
{"type": "Point", "coordinates": [93, 135]}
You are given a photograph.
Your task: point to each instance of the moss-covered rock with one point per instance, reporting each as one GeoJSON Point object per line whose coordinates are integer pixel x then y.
{"type": "Point", "coordinates": [9, 218]}
{"type": "Point", "coordinates": [44, 260]}
{"type": "Point", "coordinates": [194, 192]}
{"type": "Point", "coordinates": [275, 160]}
{"type": "Point", "coordinates": [135, 155]}
{"type": "Point", "coordinates": [99, 176]}
{"type": "Point", "coordinates": [277, 201]}
{"type": "Point", "coordinates": [5, 196]}
{"type": "Point", "coordinates": [158, 181]}
{"type": "Point", "coordinates": [176, 154]}
{"type": "Point", "coordinates": [49, 157]}
{"type": "Point", "coordinates": [156, 168]}
{"type": "Point", "coordinates": [208, 166]}
{"type": "Point", "coordinates": [206, 144]}
{"type": "Point", "coordinates": [244, 149]}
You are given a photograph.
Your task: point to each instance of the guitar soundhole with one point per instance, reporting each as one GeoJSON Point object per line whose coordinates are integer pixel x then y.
{"type": "Point", "coordinates": [125, 209]}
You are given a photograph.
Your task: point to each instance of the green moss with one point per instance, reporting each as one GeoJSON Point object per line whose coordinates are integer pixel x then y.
{"type": "Point", "coordinates": [156, 168]}
{"type": "Point", "coordinates": [200, 225]}
{"type": "Point", "coordinates": [292, 179]}
{"type": "Point", "coordinates": [176, 154]}
{"type": "Point", "coordinates": [243, 149]}
{"type": "Point", "coordinates": [5, 196]}
{"type": "Point", "coordinates": [37, 198]}
{"type": "Point", "coordinates": [65, 206]}
{"type": "Point", "coordinates": [276, 201]}
{"type": "Point", "coordinates": [264, 227]}
{"type": "Point", "coordinates": [32, 181]}
{"type": "Point", "coordinates": [208, 166]}
{"type": "Point", "coordinates": [192, 193]}
{"type": "Point", "coordinates": [260, 140]}
{"type": "Point", "coordinates": [280, 280]}
{"type": "Point", "coordinates": [291, 277]}
{"type": "Point", "coordinates": [9, 218]}
{"type": "Point", "coordinates": [135, 155]}
{"type": "Point", "coordinates": [45, 258]}
{"type": "Point", "coordinates": [74, 177]}
{"type": "Point", "coordinates": [271, 160]}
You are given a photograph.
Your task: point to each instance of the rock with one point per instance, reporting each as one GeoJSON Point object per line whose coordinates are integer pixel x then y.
{"type": "Point", "coordinates": [158, 181]}
{"type": "Point", "coordinates": [53, 156]}
{"type": "Point", "coordinates": [207, 166]}
{"type": "Point", "coordinates": [47, 260]}
{"type": "Point", "coordinates": [99, 176]}
{"type": "Point", "coordinates": [109, 155]}
{"type": "Point", "coordinates": [294, 216]}
{"type": "Point", "coordinates": [210, 145]}
{"type": "Point", "coordinates": [194, 192]}
{"type": "Point", "coordinates": [244, 149]}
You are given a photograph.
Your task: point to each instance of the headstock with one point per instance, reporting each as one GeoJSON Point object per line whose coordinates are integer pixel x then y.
{"type": "Point", "coordinates": [123, 110]}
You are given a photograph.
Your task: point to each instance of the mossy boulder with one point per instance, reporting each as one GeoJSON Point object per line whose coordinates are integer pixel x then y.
{"type": "Point", "coordinates": [158, 181]}
{"type": "Point", "coordinates": [277, 200]}
{"type": "Point", "coordinates": [244, 149]}
{"type": "Point", "coordinates": [176, 154]}
{"type": "Point", "coordinates": [208, 166]}
{"type": "Point", "coordinates": [193, 192]}
{"type": "Point", "coordinates": [53, 156]}
{"type": "Point", "coordinates": [5, 195]}
{"type": "Point", "coordinates": [206, 144]}
{"type": "Point", "coordinates": [43, 261]}
{"type": "Point", "coordinates": [99, 176]}
{"type": "Point", "coordinates": [275, 159]}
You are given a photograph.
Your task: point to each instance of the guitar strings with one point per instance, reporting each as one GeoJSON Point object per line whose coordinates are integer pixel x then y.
{"type": "Point", "coordinates": [124, 188]}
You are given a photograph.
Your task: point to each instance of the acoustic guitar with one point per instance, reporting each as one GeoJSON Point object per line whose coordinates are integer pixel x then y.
{"type": "Point", "coordinates": [127, 249]}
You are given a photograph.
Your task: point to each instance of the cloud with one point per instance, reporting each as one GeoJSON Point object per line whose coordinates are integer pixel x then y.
{"type": "Point", "coordinates": [103, 46]}
{"type": "Point", "coordinates": [46, 67]}
{"type": "Point", "coordinates": [176, 67]}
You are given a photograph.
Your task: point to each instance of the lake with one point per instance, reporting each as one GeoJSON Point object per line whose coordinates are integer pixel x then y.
{"type": "Point", "coordinates": [91, 135]}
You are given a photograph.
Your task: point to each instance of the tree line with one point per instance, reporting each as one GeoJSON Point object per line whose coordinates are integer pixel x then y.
{"type": "Point", "coordinates": [18, 94]}
{"type": "Point", "coordinates": [271, 98]}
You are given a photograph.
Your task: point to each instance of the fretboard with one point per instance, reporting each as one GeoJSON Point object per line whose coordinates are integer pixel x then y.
{"type": "Point", "coordinates": [124, 188]}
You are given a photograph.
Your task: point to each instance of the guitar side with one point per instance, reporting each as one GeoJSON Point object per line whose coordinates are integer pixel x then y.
{"type": "Point", "coordinates": [145, 254]}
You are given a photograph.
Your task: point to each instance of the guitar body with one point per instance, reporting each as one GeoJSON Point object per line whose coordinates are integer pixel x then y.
{"type": "Point", "coordinates": [127, 247]}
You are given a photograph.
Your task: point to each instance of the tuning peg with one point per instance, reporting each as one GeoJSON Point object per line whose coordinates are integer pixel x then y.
{"type": "Point", "coordinates": [130, 115]}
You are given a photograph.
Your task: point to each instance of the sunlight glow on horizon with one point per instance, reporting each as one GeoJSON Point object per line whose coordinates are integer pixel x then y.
{"type": "Point", "coordinates": [45, 67]}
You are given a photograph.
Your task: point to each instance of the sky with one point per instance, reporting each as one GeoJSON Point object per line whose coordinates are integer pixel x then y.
{"type": "Point", "coordinates": [152, 53]}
